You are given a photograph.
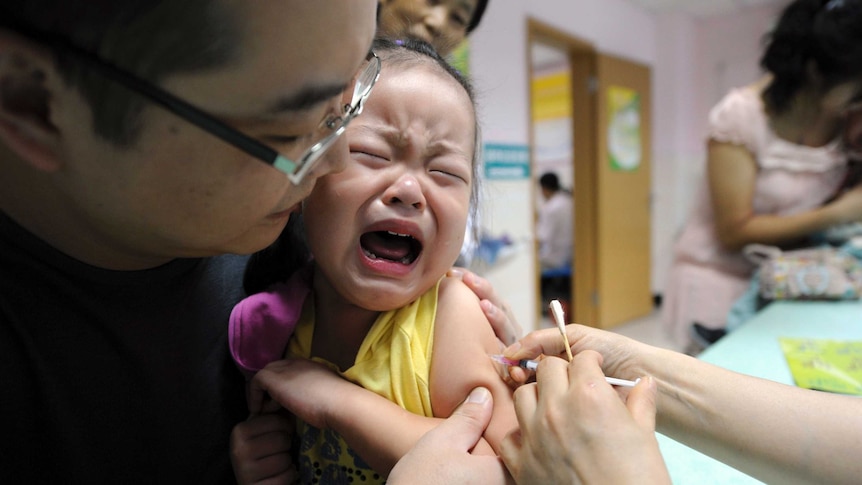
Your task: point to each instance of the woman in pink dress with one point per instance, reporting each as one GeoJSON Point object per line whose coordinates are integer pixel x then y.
{"type": "Point", "coordinates": [774, 163]}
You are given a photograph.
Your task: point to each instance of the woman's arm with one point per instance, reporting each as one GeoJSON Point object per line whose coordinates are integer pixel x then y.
{"type": "Point", "coordinates": [774, 432]}
{"type": "Point", "coordinates": [732, 173]}
{"type": "Point", "coordinates": [461, 360]}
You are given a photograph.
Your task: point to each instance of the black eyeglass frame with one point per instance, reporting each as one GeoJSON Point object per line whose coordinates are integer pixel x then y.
{"type": "Point", "coordinates": [295, 170]}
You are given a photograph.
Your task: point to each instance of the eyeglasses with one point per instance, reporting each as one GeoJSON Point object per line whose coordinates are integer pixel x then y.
{"type": "Point", "coordinates": [294, 169]}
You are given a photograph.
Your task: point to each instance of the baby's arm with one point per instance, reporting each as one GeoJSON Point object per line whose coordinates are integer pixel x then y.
{"type": "Point", "coordinates": [380, 431]}
{"type": "Point", "coordinates": [460, 361]}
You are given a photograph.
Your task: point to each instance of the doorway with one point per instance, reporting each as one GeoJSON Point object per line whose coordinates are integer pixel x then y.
{"type": "Point", "coordinates": [606, 125]}
{"type": "Point", "coordinates": [561, 113]}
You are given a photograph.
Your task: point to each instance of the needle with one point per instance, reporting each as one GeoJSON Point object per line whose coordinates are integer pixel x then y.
{"type": "Point", "coordinates": [532, 364]}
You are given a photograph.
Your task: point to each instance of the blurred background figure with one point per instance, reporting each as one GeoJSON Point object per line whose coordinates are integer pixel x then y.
{"type": "Point", "coordinates": [554, 233]}
{"type": "Point", "coordinates": [776, 167]}
{"type": "Point", "coordinates": [554, 229]}
{"type": "Point", "coordinates": [443, 24]}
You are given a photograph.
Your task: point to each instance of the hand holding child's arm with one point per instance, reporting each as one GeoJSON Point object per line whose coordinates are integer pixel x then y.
{"type": "Point", "coordinates": [496, 310]}
{"type": "Point", "coordinates": [319, 397]}
{"type": "Point", "coordinates": [443, 454]}
{"type": "Point", "coordinates": [259, 450]}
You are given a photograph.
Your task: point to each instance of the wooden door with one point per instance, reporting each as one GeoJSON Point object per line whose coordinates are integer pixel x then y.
{"type": "Point", "coordinates": [622, 216]}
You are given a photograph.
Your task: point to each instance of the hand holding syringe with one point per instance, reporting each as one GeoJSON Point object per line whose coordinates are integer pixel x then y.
{"type": "Point", "coordinates": [557, 311]}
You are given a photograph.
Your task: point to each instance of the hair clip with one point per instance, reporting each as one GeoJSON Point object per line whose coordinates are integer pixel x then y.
{"type": "Point", "coordinates": [834, 4]}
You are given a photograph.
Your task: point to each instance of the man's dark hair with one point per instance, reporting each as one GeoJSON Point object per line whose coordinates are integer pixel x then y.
{"type": "Point", "coordinates": [550, 181]}
{"type": "Point", "coordinates": [152, 39]}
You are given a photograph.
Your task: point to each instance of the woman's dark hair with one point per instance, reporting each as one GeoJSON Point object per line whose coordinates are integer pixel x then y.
{"type": "Point", "coordinates": [290, 252]}
{"type": "Point", "coordinates": [150, 38]}
{"type": "Point", "coordinates": [481, 5]}
{"type": "Point", "coordinates": [820, 35]}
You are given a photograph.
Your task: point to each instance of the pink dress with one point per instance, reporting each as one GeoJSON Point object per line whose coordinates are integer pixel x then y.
{"type": "Point", "coordinates": [706, 280]}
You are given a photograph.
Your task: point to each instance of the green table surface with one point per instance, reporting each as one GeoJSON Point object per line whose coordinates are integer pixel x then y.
{"type": "Point", "coordinates": [753, 349]}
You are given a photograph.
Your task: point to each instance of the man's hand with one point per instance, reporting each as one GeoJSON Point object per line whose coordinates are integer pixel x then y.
{"type": "Point", "coordinates": [259, 450]}
{"type": "Point", "coordinates": [307, 389]}
{"type": "Point", "coordinates": [497, 311]}
{"type": "Point", "coordinates": [443, 454]}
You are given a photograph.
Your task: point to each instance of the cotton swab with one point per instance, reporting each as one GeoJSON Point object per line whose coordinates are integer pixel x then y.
{"type": "Point", "coordinates": [557, 311]}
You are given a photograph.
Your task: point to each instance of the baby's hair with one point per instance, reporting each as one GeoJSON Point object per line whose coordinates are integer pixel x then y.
{"type": "Point", "coordinates": [410, 51]}
{"type": "Point", "coordinates": [290, 252]}
{"type": "Point", "coordinates": [825, 35]}
{"type": "Point", "coordinates": [400, 51]}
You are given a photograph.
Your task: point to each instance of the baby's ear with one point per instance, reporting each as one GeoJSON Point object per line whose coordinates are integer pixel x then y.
{"type": "Point", "coordinates": [27, 73]}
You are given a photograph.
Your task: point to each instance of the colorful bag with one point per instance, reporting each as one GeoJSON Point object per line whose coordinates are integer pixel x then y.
{"type": "Point", "coordinates": [823, 273]}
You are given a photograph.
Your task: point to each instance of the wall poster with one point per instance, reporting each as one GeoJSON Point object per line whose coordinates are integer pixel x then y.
{"type": "Point", "coordinates": [624, 128]}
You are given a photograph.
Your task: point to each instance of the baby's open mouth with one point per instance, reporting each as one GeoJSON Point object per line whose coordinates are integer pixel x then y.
{"type": "Point", "coordinates": [391, 246]}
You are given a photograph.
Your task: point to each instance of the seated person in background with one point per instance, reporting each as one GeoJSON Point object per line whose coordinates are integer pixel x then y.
{"type": "Point", "coordinates": [443, 24]}
{"type": "Point", "coordinates": [373, 305]}
{"type": "Point", "coordinates": [774, 164]}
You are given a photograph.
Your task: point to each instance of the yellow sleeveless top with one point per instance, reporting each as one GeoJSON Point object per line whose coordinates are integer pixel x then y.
{"type": "Point", "coordinates": [394, 361]}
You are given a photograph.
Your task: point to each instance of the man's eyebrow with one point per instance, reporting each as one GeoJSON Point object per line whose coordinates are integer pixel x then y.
{"type": "Point", "coordinates": [306, 98]}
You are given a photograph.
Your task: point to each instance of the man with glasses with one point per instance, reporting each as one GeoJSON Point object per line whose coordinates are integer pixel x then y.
{"type": "Point", "coordinates": [142, 143]}
{"type": "Point", "coordinates": [139, 141]}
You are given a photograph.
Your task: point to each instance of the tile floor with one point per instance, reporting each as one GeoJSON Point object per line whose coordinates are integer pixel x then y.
{"type": "Point", "coordinates": [648, 329]}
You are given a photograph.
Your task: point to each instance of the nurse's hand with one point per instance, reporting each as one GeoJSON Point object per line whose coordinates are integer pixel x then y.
{"type": "Point", "coordinates": [575, 428]}
{"type": "Point", "coordinates": [622, 357]}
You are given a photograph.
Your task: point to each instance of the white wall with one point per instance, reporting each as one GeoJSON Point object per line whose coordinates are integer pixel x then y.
{"type": "Point", "coordinates": [693, 63]}
{"type": "Point", "coordinates": [498, 64]}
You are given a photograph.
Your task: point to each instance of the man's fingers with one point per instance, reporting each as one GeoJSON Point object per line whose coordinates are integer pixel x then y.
{"type": "Point", "coordinates": [497, 311]}
{"type": "Point", "coordinates": [504, 328]}
{"type": "Point", "coordinates": [465, 427]}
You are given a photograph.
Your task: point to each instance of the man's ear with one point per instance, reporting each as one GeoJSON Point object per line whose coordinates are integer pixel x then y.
{"type": "Point", "coordinates": [27, 73]}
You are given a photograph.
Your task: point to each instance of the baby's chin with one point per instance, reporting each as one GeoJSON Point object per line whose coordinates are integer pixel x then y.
{"type": "Point", "coordinates": [389, 302]}
{"type": "Point", "coordinates": [386, 297]}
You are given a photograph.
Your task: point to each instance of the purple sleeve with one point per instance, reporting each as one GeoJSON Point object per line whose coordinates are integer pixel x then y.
{"type": "Point", "coordinates": [261, 324]}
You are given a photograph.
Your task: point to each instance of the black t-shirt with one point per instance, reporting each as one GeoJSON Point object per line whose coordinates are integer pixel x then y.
{"type": "Point", "coordinates": [115, 376]}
